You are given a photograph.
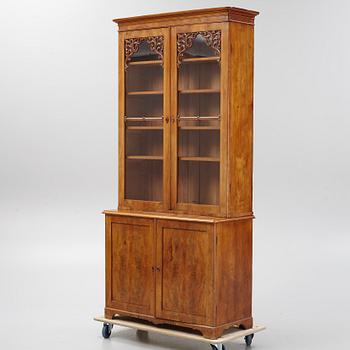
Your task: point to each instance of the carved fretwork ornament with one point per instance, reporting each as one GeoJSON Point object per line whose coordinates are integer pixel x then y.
{"type": "Point", "coordinates": [156, 44]}
{"type": "Point", "coordinates": [185, 41]}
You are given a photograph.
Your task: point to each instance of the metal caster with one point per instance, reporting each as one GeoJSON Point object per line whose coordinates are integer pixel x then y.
{"type": "Point", "coordinates": [218, 347]}
{"type": "Point", "coordinates": [106, 330]}
{"type": "Point", "coordinates": [248, 339]}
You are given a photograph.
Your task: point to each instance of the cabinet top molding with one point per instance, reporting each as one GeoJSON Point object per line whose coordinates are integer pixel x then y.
{"type": "Point", "coordinates": [208, 15]}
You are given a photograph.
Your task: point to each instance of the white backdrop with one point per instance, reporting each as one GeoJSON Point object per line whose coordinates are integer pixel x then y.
{"type": "Point", "coordinates": [58, 171]}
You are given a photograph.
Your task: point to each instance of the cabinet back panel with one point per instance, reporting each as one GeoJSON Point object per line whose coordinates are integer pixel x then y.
{"type": "Point", "coordinates": [199, 143]}
{"type": "Point", "coordinates": [144, 78]}
{"type": "Point", "coordinates": [198, 182]}
{"type": "Point", "coordinates": [199, 76]}
{"type": "Point", "coordinates": [144, 142]}
{"type": "Point", "coordinates": [144, 180]}
{"type": "Point", "coordinates": [199, 104]}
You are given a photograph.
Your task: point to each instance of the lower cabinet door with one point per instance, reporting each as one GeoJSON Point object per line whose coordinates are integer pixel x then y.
{"type": "Point", "coordinates": [185, 272]}
{"type": "Point", "coordinates": [130, 258]}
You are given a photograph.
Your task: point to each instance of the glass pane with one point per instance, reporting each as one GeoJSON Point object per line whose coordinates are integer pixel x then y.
{"type": "Point", "coordinates": [144, 141]}
{"type": "Point", "coordinates": [144, 180]}
{"type": "Point", "coordinates": [198, 182]}
{"type": "Point", "coordinates": [144, 125]}
{"type": "Point", "coordinates": [199, 142]}
{"type": "Point", "coordinates": [144, 53]}
{"type": "Point", "coordinates": [199, 125]}
{"type": "Point", "coordinates": [199, 48]}
{"type": "Point", "coordinates": [144, 78]}
{"type": "Point", "coordinates": [199, 75]}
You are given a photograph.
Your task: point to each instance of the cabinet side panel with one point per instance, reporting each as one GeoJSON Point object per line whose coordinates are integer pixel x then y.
{"type": "Point", "coordinates": [240, 138]}
{"type": "Point", "coordinates": [234, 271]}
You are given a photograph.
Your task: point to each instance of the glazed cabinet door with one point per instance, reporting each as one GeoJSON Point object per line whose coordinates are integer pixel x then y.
{"type": "Point", "coordinates": [130, 261]}
{"type": "Point", "coordinates": [144, 119]}
{"type": "Point", "coordinates": [199, 106]}
{"type": "Point", "coordinates": [184, 272]}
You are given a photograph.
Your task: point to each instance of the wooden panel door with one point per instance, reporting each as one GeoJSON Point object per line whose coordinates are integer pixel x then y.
{"type": "Point", "coordinates": [130, 260]}
{"type": "Point", "coordinates": [144, 119]}
{"type": "Point", "coordinates": [184, 272]}
{"type": "Point", "coordinates": [199, 107]}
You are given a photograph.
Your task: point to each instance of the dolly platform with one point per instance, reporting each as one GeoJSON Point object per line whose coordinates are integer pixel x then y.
{"type": "Point", "coordinates": [216, 344]}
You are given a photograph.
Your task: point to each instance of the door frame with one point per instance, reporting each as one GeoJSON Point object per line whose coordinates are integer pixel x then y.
{"type": "Point", "coordinates": [160, 313]}
{"type": "Point", "coordinates": [201, 209]}
{"type": "Point", "coordinates": [131, 203]}
{"type": "Point", "coordinates": [128, 308]}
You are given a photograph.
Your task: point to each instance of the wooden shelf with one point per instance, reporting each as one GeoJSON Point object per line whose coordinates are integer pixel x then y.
{"type": "Point", "coordinates": [199, 127]}
{"type": "Point", "coordinates": [144, 157]}
{"type": "Point", "coordinates": [199, 91]}
{"type": "Point", "coordinates": [201, 59]}
{"type": "Point", "coordinates": [147, 92]}
{"type": "Point", "coordinates": [145, 63]}
{"type": "Point", "coordinates": [200, 159]}
{"type": "Point", "coordinates": [144, 128]}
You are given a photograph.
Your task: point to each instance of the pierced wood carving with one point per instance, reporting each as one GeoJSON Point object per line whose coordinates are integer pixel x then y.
{"type": "Point", "coordinates": [185, 41]}
{"type": "Point", "coordinates": [131, 46]}
{"type": "Point", "coordinates": [156, 44]}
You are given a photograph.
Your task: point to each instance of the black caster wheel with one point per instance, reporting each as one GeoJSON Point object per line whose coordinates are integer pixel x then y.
{"type": "Point", "coordinates": [142, 335]}
{"type": "Point", "coordinates": [214, 347]}
{"type": "Point", "coordinates": [106, 330]}
{"type": "Point", "coordinates": [248, 339]}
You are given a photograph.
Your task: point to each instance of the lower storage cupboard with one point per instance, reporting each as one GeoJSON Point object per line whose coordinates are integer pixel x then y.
{"type": "Point", "coordinates": [187, 271]}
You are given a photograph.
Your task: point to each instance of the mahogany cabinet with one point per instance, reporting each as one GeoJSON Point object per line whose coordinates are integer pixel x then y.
{"type": "Point", "coordinates": [179, 247]}
{"type": "Point", "coordinates": [193, 272]}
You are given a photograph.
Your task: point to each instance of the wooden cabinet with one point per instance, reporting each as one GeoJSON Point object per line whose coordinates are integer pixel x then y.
{"type": "Point", "coordinates": [194, 272]}
{"type": "Point", "coordinates": [178, 249]}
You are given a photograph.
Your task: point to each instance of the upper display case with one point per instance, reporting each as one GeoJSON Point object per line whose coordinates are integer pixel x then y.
{"type": "Point", "coordinates": [185, 118]}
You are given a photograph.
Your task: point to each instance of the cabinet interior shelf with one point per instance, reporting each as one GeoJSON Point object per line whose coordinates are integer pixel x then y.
{"type": "Point", "coordinates": [201, 59]}
{"type": "Point", "coordinates": [145, 63]}
{"type": "Point", "coordinates": [194, 127]}
{"type": "Point", "coordinates": [199, 91]}
{"type": "Point", "coordinates": [147, 92]}
{"type": "Point", "coordinates": [144, 128]}
{"type": "Point", "coordinates": [144, 157]}
{"type": "Point", "coordinates": [200, 159]}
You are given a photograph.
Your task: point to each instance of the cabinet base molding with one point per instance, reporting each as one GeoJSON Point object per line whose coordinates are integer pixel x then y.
{"type": "Point", "coordinates": [207, 332]}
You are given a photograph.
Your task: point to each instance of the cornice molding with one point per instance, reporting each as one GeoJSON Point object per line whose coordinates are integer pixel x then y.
{"type": "Point", "coordinates": [228, 14]}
